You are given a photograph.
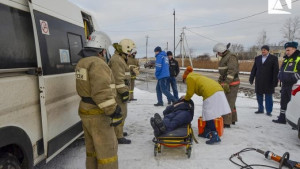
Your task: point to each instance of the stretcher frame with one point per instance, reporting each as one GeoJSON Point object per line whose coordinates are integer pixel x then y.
{"type": "Point", "coordinates": [175, 141]}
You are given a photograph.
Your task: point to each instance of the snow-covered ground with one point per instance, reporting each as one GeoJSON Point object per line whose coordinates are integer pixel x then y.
{"type": "Point", "coordinates": [251, 130]}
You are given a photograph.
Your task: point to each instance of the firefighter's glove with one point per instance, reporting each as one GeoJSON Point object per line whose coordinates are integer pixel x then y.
{"type": "Point", "coordinates": [226, 87]}
{"type": "Point", "coordinates": [125, 97]}
{"type": "Point", "coordinates": [116, 117]}
{"type": "Point", "coordinates": [136, 71]}
{"type": "Point", "coordinates": [127, 82]}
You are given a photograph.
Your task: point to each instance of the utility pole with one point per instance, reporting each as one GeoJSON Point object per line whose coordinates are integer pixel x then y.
{"type": "Point", "coordinates": [167, 46]}
{"type": "Point", "coordinates": [183, 50]}
{"type": "Point", "coordinates": [174, 34]}
{"type": "Point", "coordinates": [147, 47]}
{"type": "Point", "coordinates": [147, 37]}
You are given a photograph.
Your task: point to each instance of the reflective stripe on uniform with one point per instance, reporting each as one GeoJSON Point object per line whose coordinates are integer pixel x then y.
{"type": "Point", "coordinates": [297, 76]}
{"type": "Point", "coordinates": [130, 91]}
{"type": "Point", "coordinates": [297, 61]}
{"type": "Point", "coordinates": [132, 66]}
{"type": "Point", "coordinates": [234, 83]}
{"type": "Point", "coordinates": [222, 68]}
{"type": "Point", "coordinates": [94, 111]}
{"type": "Point", "coordinates": [133, 77]}
{"type": "Point", "coordinates": [107, 160]}
{"type": "Point", "coordinates": [113, 86]}
{"type": "Point", "coordinates": [89, 154]}
{"type": "Point", "coordinates": [127, 73]}
{"type": "Point", "coordinates": [158, 65]}
{"type": "Point", "coordinates": [107, 103]}
{"type": "Point", "coordinates": [230, 77]}
{"type": "Point", "coordinates": [120, 86]}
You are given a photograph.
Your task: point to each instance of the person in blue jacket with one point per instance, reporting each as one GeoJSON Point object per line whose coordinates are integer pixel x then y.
{"type": "Point", "coordinates": [288, 75]}
{"type": "Point", "coordinates": [162, 74]}
{"type": "Point", "coordinates": [179, 114]}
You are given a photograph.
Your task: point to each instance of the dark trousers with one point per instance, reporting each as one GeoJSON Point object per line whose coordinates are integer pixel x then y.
{"type": "Point", "coordinates": [286, 94]}
{"type": "Point", "coordinates": [268, 100]}
{"type": "Point", "coordinates": [172, 82]}
{"type": "Point", "coordinates": [211, 125]}
{"type": "Point", "coordinates": [162, 88]}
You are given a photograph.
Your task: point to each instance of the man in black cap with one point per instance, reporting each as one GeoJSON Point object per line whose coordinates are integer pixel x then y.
{"type": "Point", "coordinates": [174, 71]}
{"type": "Point", "coordinates": [289, 74]}
{"type": "Point", "coordinates": [265, 72]}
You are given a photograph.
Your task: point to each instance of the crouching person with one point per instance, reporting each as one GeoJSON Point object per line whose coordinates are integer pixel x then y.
{"type": "Point", "coordinates": [177, 115]}
{"type": "Point", "coordinates": [214, 100]}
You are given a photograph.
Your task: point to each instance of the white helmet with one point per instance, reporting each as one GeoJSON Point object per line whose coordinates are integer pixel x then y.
{"type": "Point", "coordinates": [220, 47]}
{"type": "Point", "coordinates": [127, 45]}
{"type": "Point", "coordinates": [99, 40]}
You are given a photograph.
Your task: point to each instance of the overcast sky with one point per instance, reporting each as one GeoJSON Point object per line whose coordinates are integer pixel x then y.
{"type": "Point", "coordinates": [134, 19]}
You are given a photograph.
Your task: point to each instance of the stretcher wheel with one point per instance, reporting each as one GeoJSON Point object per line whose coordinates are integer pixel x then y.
{"type": "Point", "coordinates": [189, 151]}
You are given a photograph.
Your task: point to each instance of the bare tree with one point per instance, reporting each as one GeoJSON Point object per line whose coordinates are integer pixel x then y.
{"type": "Point", "coordinates": [262, 39]}
{"type": "Point", "coordinates": [290, 30]}
{"type": "Point", "coordinates": [237, 49]}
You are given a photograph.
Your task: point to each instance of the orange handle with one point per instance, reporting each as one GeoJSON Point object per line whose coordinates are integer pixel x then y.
{"type": "Point", "coordinates": [276, 158]}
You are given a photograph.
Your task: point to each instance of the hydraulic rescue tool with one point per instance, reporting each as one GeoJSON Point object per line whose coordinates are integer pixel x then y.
{"type": "Point", "coordinates": [283, 160]}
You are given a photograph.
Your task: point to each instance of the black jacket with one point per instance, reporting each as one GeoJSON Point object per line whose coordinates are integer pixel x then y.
{"type": "Point", "coordinates": [265, 74]}
{"type": "Point", "coordinates": [174, 68]}
{"type": "Point", "coordinates": [290, 69]}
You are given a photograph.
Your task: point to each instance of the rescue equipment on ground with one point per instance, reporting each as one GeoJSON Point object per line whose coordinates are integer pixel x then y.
{"type": "Point", "coordinates": [218, 123]}
{"type": "Point", "coordinates": [283, 160]}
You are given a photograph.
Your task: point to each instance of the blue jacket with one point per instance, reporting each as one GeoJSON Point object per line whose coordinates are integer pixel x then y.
{"type": "Point", "coordinates": [162, 65]}
{"type": "Point", "coordinates": [289, 72]}
{"type": "Point", "coordinates": [178, 115]}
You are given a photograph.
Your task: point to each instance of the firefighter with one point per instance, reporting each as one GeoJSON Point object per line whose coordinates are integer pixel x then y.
{"type": "Point", "coordinates": [133, 64]}
{"type": "Point", "coordinates": [289, 74]}
{"type": "Point", "coordinates": [98, 109]}
{"type": "Point", "coordinates": [121, 72]}
{"type": "Point", "coordinates": [229, 80]}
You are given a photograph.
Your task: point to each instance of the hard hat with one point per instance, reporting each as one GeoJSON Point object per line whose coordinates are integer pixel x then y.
{"type": "Point", "coordinates": [220, 47]}
{"type": "Point", "coordinates": [127, 45]}
{"type": "Point", "coordinates": [99, 40]}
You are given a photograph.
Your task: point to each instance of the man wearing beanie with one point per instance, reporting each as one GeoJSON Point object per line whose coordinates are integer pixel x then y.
{"type": "Point", "coordinates": [265, 72]}
{"type": "Point", "coordinates": [174, 71]}
{"type": "Point", "coordinates": [162, 74]}
{"type": "Point", "coordinates": [289, 74]}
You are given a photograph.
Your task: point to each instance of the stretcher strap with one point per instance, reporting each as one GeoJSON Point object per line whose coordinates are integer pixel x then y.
{"type": "Point", "coordinates": [196, 141]}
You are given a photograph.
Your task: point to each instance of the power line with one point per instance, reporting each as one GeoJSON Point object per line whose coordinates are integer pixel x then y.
{"type": "Point", "coordinates": [208, 38]}
{"type": "Point", "coordinates": [234, 20]}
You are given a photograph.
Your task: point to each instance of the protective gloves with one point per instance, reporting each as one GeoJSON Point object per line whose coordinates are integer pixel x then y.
{"type": "Point", "coordinates": [125, 96]}
{"type": "Point", "coordinates": [226, 87]}
{"type": "Point", "coordinates": [116, 117]}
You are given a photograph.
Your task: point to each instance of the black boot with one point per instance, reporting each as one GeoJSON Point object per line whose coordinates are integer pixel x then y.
{"type": "Point", "coordinates": [159, 123]}
{"type": "Point", "coordinates": [159, 104]}
{"type": "Point", "coordinates": [125, 134]}
{"type": "Point", "coordinates": [281, 119]}
{"type": "Point", "coordinates": [124, 141]}
{"type": "Point", "coordinates": [226, 125]}
{"type": "Point", "coordinates": [155, 128]}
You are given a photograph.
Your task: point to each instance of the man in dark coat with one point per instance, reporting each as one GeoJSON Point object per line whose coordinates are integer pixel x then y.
{"type": "Point", "coordinates": [174, 71]}
{"type": "Point", "coordinates": [265, 71]}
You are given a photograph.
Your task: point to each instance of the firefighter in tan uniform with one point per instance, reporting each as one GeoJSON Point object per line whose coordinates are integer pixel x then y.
{"type": "Point", "coordinates": [98, 109]}
{"type": "Point", "coordinates": [122, 77]}
{"type": "Point", "coordinates": [133, 64]}
{"type": "Point", "coordinates": [229, 79]}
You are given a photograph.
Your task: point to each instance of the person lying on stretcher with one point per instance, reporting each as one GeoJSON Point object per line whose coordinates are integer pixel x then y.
{"type": "Point", "coordinates": [175, 116]}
